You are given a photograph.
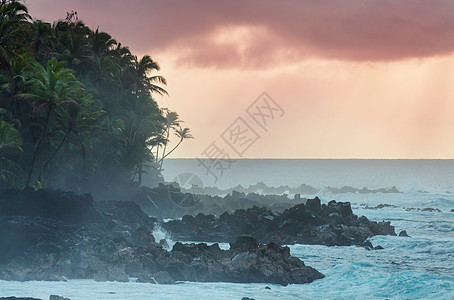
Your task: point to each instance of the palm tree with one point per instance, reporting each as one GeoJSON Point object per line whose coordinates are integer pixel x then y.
{"type": "Point", "coordinates": [135, 76]}
{"type": "Point", "coordinates": [42, 41]}
{"type": "Point", "coordinates": [182, 133]}
{"type": "Point", "coordinates": [105, 58]}
{"type": "Point", "coordinates": [172, 121]}
{"type": "Point", "coordinates": [74, 49]}
{"type": "Point", "coordinates": [144, 67]}
{"type": "Point", "coordinates": [49, 87]}
{"type": "Point", "coordinates": [73, 116]}
{"type": "Point", "coordinates": [72, 42]}
{"type": "Point", "coordinates": [13, 20]}
{"type": "Point", "coordinates": [102, 43]}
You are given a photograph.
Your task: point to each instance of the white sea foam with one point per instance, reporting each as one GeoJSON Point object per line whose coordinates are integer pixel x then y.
{"type": "Point", "coordinates": [160, 234]}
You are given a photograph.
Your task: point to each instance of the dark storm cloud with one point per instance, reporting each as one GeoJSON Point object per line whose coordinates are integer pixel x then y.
{"type": "Point", "coordinates": [279, 31]}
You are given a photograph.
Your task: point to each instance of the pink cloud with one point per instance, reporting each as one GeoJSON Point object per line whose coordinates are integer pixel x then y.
{"type": "Point", "coordinates": [283, 31]}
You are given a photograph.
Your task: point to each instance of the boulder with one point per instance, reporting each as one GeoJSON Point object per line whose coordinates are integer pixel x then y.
{"type": "Point", "coordinates": [161, 277]}
{"type": "Point", "coordinates": [431, 209]}
{"type": "Point", "coordinates": [56, 297]}
{"type": "Point", "coordinates": [18, 298]}
{"type": "Point", "coordinates": [247, 262]}
{"type": "Point", "coordinates": [404, 233]}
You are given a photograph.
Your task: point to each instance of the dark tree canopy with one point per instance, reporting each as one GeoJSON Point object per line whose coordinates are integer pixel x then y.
{"type": "Point", "coordinates": [77, 108]}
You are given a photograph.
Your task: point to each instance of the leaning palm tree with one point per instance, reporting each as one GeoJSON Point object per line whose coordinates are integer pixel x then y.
{"type": "Point", "coordinates": [182, 133]}
{"type": "Point", "coordinates": [172, 121]}
{"type": "Point", "coordinates": [49, 87]}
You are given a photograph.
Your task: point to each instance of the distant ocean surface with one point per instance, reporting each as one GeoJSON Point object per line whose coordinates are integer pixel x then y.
{"type": "Point", "coordinates": [419, 267]}
{"type": "Point", "coordinates": [406, 174]}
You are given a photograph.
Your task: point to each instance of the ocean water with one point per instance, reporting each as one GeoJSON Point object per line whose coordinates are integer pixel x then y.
{"type": "Point", "coordinates": [419, 267]}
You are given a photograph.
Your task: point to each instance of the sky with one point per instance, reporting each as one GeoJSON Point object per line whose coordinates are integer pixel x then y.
{"type": "Point", "coordinates": [343, 79]}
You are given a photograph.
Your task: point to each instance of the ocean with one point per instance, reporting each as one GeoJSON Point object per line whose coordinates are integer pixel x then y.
{"type": "Point", "coordinates": [418, 267]}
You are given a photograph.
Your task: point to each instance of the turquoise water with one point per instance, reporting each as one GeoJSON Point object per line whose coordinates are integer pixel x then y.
{"type": "Point", "coordinates": [419, 267]}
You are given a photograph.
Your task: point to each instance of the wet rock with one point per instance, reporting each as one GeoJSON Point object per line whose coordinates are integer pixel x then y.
{"type": "Point", "coordinates": [162, 277]}
{"type": "Point", "coordinates": [364, 190]}
{"type": "Point", "coordinates": [430, 209]}
{"type": "Point", "coordinates": [146, 278]}
{"type": "Point", "coordinates": [18, 298]}
{"type": "Point", "coordinates": [368, 245]}
{"type": "Point", "coordinates": [404, 233]}
{"type": "Point", "coordinates": [380, 206]}
{"type": "Point", "coordinates": [56, 297]}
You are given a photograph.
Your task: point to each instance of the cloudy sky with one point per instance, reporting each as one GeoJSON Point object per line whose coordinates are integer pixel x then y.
{"type": "Point", "coordinates": [356, 79]}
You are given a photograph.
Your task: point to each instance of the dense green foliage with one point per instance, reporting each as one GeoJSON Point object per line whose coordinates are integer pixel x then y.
{"type": "Point", "coordinates": [76, 107]}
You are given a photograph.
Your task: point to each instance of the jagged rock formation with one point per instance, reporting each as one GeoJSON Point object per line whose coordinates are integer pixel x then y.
{"type": "Point", "coordinates": [310, 223]}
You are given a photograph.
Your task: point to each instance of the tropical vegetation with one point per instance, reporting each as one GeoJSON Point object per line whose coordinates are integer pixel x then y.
{"type": "Point", "coordinates": [77, 108]}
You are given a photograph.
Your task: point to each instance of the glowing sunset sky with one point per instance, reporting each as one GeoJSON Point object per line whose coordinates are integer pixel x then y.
{"type": "Point", "coordinates": [357, 79]}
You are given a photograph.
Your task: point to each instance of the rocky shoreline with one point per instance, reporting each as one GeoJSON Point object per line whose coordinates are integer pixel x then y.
{"type": "Point", "coordinates": [54, 235]}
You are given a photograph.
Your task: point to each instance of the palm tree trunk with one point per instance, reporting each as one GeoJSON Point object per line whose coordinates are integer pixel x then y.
{"type": "Point", "coordinates": [55, 152]}
{"type": "Point", "coordinates": [157, 154]}
{"type": "Point", "coordinates": [135, 173]}
{"type": "Point", "coordinates": [49, 113]}
{"type": "Point", "coordinates": [140, 174]}
{"type": "Point", "coordinates": [165, 146]}
{"type": "Point", "coordinates": [162, 159]}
